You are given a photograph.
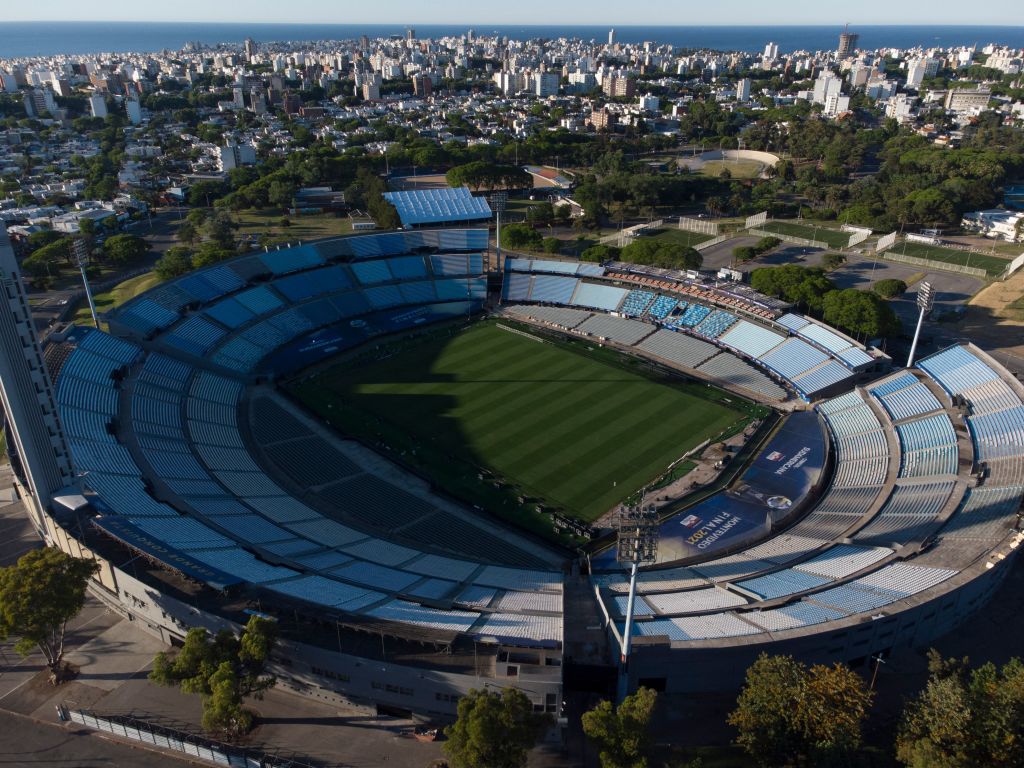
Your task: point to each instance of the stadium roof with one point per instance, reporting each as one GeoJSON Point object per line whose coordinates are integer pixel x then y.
{"type": "Point", "coordinates": [438, 206]}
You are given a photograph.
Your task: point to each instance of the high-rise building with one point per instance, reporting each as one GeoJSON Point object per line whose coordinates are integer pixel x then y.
{"type": "Point", "coordinates": [98, 105]}
{"type": "Point", "coordinates": [422, 85]}
{"type": "Point", "coordinates": [619, 86]}
{"type": "Point", "coordinates": [546, 84]}
{"type": "Point", "coordinates": [250, 48]}
{"type": "Point", "coordinates": [235, 155]}
{"type": "Point", "coordinates": [35, 441]}
{"type": "Point", "coordinates": [847, 44]}
{"type": "Point", "coordinates": [410, 33]}
{"type": "Point", "coordinates": [134, 111]}
{"type": "Point", "coordinates": [290, 103]}
{"type": "Point", "coordinates": [827, 87]}
{"type": "Point", "coordinates": [771, 52]}
{"type": "Point", "coordinates": [919, 69]}
{"type": "Point", "coordinates": [743, 90]}
{"type": "Point", "coordinates": [611, 36]}
{"type": "Point", "coordinates": [364, 43]}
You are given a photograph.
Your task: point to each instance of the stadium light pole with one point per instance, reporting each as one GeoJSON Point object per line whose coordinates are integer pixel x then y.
{"type": "Point", "coordinates": [925, 302]}
{"type": "Point", "coordinates": [637, 543]}
{"type": "Point", "coordinates": [80, 249]}
{"type": "Point", "coordinates": [498, 201]}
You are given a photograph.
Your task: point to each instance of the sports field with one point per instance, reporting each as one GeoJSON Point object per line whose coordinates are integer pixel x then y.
{"type": "Point", "coordinates": [832, 237]}
{"type": "Point", "coordinates": [993, 265]}
{"type": "Point", "coordinates": [487, 407]}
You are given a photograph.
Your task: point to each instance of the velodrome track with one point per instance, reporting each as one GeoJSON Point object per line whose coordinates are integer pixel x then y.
{"type": "Point", "coordinates": [922, 507]}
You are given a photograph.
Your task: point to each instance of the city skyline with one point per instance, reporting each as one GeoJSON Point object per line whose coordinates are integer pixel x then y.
{"type": "Point", "coordinates": [784, 13]}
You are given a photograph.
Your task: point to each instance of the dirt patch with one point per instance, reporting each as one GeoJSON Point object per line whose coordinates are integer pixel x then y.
{"type": "Point", "coordinates": [995, 315]}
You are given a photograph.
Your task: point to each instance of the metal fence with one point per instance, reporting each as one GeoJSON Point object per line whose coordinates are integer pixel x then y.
{"type": "Point", "coordinates": [789, 238]}
{"type": "Point", "coordinates": [932, 264]}
{"type": "Point", "coordinates": [700, 226]}
{"type": "Point", "coordinates": [176, 740]}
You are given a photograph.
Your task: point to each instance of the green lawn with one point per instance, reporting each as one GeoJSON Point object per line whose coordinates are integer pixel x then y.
{"type": "Point", "coordinates": [573, 431]}
{"type": "Point", "coordinates": [116, 296]}
{"type": "Point", "coordinates": [257, 223]}
{"type": "Point", "coordinates": [681, 236]}
{"type": "Point", "coordinates": [832, 237]}
{"type": "Point", "coordinates": [993, 265]}
{"type": "Point", "coordinates": [739, 169]}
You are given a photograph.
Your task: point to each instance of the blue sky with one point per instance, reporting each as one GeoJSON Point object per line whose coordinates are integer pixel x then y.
{"type": "Point", "coordinates": [640, 12]}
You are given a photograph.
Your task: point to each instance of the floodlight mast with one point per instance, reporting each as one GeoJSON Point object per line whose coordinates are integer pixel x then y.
{"type": "Point", "coordinates": [80, 249]}
{"type": "Point", "coordinates": [637, 543]}
{"type": "Point", "coordinates": [498, 202]}
{"type": "Point", "coordinates": [925, 302]}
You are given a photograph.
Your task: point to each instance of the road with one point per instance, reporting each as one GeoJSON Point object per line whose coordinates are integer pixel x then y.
{"type": "Point", "coordinates": [159, 231]}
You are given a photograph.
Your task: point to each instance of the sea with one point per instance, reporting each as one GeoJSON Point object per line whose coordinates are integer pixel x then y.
{"type": "Point", "coordinates": [38, 38]}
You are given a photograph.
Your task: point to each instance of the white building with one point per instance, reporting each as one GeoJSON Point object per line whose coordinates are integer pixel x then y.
{"type": "Point", "coordinates": [743, 90]}
{"type": "Point", "coordinates": [996, 223]}
{"type": "Point", "coordinates": [234, 155]}
{"type": "Point", "coordinates": [650, 104]}
{"type": "Point", "coordinates": [826, 87]}
{"type": "Point", "coordinates": [919, 69]}
{"type": "Point", "coordinates": [546, 84]}
{"type": "Point", "coordinates": [98, 105]}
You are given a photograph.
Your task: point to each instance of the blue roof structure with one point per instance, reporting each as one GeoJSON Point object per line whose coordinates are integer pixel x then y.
{"type": "Point", "coordinates": [438, 206]}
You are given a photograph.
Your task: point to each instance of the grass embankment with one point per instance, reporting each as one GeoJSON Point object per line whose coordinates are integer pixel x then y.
{"type": "Point", "coordinates": [116, 296]}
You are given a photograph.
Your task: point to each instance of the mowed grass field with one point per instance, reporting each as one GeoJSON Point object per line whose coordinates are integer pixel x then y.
{"type": "Point", "coordinates": [834, 238]}
{"type": "Point", "coordinates": [739, 169]}
{"type": "Point", "coordinates": [576, 432]}
{"type": "Point", "coordinates": [993, 265]}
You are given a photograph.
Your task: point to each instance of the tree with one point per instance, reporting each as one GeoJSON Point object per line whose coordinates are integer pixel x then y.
{"type": "Point", "coordinates": [621, 733]}
{"type": "Point", "coordinates": [281, 193]}
{"type": "Point", "coordinates": [764, 708]}
{"type": "Point", "coordinates": [521, 236]}
{"type": "Point", "coordinates": [786, 711]}
{"type": "Point", "coordinates": [220, 229]}
{"type": "Point", "coordinates": [552, 245]}
{"type": "Point", "coordinates": [121, 250]}
{"type": "Point", "coordinates": [38, 596]}
{"type": "Point", "coordinates": [860, 313]}
{"type": "Point", "coordinates": [187, 233]}
{"type": "Point", "coordinates": [600, 253]}
{"type": "Point", "coordinates": [493, 730]}
{"type": "Point", "coordinates": [889, 288]}
{"type": "Point", "coordinates": [542, 214]}
{"type": "Point", "coordinates": [176, 261]}
{"type": "Point", "coordinates": [830, 711]}
{"type": "Point", "coordinates": [223, 669]}
{"type": "Point", "coordinates": [965, 717]}
{"type": "Point", "coordinates": [87, 227]}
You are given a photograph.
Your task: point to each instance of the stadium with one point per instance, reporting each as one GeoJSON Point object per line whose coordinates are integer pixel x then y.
{"type": "Point", "coordinates": [405, 450]}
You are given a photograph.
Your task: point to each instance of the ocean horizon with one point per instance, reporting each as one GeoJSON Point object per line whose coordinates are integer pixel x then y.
{"type": "Point", "coordinates": [25, 39]}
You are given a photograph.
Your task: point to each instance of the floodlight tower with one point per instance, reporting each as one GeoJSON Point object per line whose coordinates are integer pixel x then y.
{"type": "Point", "coordinates": [925, 302]}
{"type": "Point", "coordinates": [498, 202]}
{"type": "Point", "coordinates": [80, 249]}
{"type": "Point", "coordinates": [637, 543]}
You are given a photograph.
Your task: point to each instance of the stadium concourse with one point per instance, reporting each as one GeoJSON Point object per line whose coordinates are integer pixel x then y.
{"type": "Point", "coordinates": [910, 524]}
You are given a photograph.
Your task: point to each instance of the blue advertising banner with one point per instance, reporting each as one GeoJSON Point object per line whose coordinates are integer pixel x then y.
{"type": "Point", "coordinates": [775, 483]}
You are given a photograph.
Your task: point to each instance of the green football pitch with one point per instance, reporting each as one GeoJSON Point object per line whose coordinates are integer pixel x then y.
{"type": "Point", "coordinates": [487, 404]}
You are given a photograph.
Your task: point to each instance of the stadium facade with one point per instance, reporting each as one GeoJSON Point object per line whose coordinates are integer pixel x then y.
{"type": "Point", "coordinates": [163, 450]}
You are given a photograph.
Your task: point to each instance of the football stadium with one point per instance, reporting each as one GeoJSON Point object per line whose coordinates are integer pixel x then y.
{"type": "Point", "coordinates": [411, 460]}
